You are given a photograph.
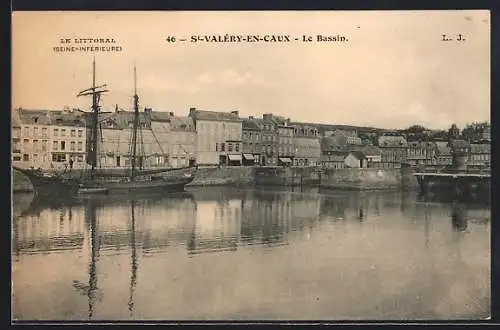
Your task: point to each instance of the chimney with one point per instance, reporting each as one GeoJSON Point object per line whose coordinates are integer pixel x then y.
{"type": "Point", "coordinates": [191, 110]}
{"type": "Point", "coordinates": [235, 113]}
{"type": "Point", "coordinates": [267, 116]}
{"type": "Point", "coordinates": [250, 117]}
{"type": "Point", "coordinates": [171, 114]}
{"type": "Point", "coordinates": [148, 110]}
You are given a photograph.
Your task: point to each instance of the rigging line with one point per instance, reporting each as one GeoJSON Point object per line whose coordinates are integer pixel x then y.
{"type": "Point", "coordinates": [157, 141]}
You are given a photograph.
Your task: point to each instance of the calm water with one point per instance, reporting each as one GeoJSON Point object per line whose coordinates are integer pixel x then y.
{"type": "Point", "coordinates": [252, 254]}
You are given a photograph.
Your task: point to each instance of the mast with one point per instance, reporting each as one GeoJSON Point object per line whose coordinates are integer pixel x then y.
{"type": "Point", "coordinates": [96, 92]}
{"type": "Point", "coordinates": [136, 124]}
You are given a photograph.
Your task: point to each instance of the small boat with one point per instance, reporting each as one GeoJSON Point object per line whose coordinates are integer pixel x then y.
{"type": "Point", "coordinates": [92, 190]}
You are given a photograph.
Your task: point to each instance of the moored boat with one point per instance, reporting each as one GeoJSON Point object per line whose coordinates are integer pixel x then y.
{"type": "Point", "coordinates": [98, 180]}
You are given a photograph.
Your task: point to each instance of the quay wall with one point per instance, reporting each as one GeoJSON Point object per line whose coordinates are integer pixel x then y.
{"type": "Point", "coordinates": [347, 178]}
{"type": "Point", "coordinates": [368, 178]}
{"type": "Point", "coordinates": [224, 176]}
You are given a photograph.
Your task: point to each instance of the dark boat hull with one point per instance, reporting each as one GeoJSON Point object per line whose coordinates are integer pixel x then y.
{"type": "Point", "coordinates": [60, 186]}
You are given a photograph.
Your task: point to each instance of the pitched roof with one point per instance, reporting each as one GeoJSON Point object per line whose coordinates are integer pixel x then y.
{"type": "Point", "coordinates": [251, 124]}
{"type": "Point", "coordinates": [457, 144]}
{"type": "Point", "coordinates": [358, 154]}
{"type": "Point", "coordinates": [443, 150]}
{"type": "Point", "coordinates": [214, 115]}
{"type": "Point", "coordinates": [371, 151]}
{"type": "Point", "coordinates": [182, 124]}
{"type": "Point", "coordinates": [73, 117]}
{"type": "Point", "coordinates": [392, 141]}
{"type": "Point", "coordinates": [482, 148]}
{"type": "Point", "coordinates": [161, 116]}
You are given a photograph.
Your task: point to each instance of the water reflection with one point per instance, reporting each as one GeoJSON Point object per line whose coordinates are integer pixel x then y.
{"type": "Point", "coordinates": [209, 224]}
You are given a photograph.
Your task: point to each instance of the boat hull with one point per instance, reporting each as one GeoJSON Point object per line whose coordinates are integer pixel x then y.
{"type": "Point", "coordinates": [59, 186]}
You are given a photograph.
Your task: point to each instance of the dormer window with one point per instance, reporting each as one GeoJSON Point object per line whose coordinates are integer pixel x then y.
{"type": "Point", "coordinates": [35, 120]}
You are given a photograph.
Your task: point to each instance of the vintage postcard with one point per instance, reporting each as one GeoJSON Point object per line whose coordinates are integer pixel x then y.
{"type": "Point", "coordinates": [312, 165]}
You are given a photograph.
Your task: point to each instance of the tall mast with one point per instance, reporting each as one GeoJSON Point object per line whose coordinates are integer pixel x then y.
{"type": "Point", "coordinates": [96, 92]}
{"type": "Point", "coordinates": [136, 124]}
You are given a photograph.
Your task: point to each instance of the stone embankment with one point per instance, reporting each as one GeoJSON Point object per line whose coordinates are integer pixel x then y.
{"type": "Point", "coordinates": [353, 178]}
{"type": "Point", "coordinates": [368, 178]}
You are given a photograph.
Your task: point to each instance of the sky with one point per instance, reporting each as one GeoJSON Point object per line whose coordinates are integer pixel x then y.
{"type": "Point", "coordinates": [394, 71]}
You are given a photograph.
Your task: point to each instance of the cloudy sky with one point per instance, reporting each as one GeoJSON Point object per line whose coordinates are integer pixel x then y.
{"type": "Point", "coordinates": [394, 71]}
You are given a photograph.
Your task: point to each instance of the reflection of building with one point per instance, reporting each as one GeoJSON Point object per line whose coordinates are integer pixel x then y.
{"type": "Point", "coordinates": [50, 230]}
{"type": "Point", "coordinates": [217, 226]}
{"type": "Point", "coordinates": [219, 136]}
{"type": "Point", "coordinates": [48, 138]}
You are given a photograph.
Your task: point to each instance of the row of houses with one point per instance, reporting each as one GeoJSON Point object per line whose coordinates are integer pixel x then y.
{"type": "Point", "coordinates": [46, 138]}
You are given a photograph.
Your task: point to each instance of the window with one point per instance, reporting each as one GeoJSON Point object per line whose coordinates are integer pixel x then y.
{"type": "Point", "coordinates": [79, 159]}
{"type": "Point", "coordinates": [44, 132]}
{"type": "Point", "coordinates": [35, 145]}
{"type": "Point", "coordinates": [63, 145]}
{"type": "Point", "coordinates": [230, 147]}
{"type": "Point", "coordinates": [80, 132]}
{"type": "Point", "coordinates": [80, 146]}
{"type": "Point", "coordinates": [73, 132]}
{"type": "Point", "coordinates": [216, 146]}
{"type": "Point", "coordinates": [35, 131]}
{"type": "Point", "coordinates": [26, 157]}
{"type": "Point", "coordinates": [59, 158]}
{"type": "Point", "coordinates": [237, 147]}
{"type": "Point", "coordinates": [26, 131]}
{"type": "Point", "coordinates": [16, 158]}
{"type": "Point", "coordinates": [44, 145]}
{"type": "Point", "coordinates": [35, 158]}
{"type": "Point", "coordinates": [56, 131]}
{"type": "Point", "coordinates": [26, 141]}
{"type": "Point", "coordinates": [222, 147]}
{"type": "Point", "coordinates": [54, 145]}
{"type": "Point", "coordinates": [72, 146]}
{"type": "Point", "coordinates": [63, 132]}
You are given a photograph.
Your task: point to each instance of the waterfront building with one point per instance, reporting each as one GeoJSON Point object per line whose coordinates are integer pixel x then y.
{"type": "Point", "coordinates": [356, 159]}
{"type": "Point", "coordinates": [176, 136]}
{"type": "Point", "coordinates": [164, 139]}
{"type": "Point", "coordinates": [252, 137]}
{"type": "Point", "coordinates": [114, 149]}
{"type": "Point", "coordinates": [306, 142]}
{"type": "Point", "coordinates": [284, 139]}
{"type": "Point", "coordinates": [443, 154]}
{"type": "Point", "coordinates": [460, 150]}
{"type": "Point", "coordinates": [219, 137]}
{"type": "Point", "coordinates": [16, 137]}
{"type": "Point", "coordinates": [333, 154]}
{"type": "Point", "coordinates": [373, 156]}
{"type": "Point", "coordinates": [393, 150]}
{"type": "Point", "coordinates": [49, 138]}
{"type": "Point", "coordinates": [479, 156]}
{"type": "Point", "coordinates": [421, 153]}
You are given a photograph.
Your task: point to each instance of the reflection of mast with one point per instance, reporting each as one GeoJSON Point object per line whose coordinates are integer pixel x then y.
{"type": "Point", "coordinates": [133, 277]}
{"type": "Point", "coordinates": [94, 250]}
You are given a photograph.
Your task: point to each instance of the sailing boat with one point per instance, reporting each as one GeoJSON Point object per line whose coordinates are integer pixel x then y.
{"type": "Point", "coordinates": [98, 180]}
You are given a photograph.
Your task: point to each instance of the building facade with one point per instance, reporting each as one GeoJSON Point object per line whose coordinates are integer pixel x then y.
{"type": "Point", "coordinates": [421, 153]}
{"type": "Point", "coordinates": [219, 137]}
{"type": "Point", "coordinates": [306, 142]}
{"type": "Point", "coordinates": [48, 139]}
{"type": "Point", "coordinates": [479, 156]}
{"type": "Point", "coordinates": [252, 137]}
{"type": "Point", "coordinates": [393, 150]}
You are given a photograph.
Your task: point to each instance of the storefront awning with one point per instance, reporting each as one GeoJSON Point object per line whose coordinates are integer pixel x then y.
{"type": "Point", "coordinates": [234, 158]}
{"type": "Point", "coordinates": [285, 160]}
{"type": "Point", "coordinates": [248, 156]}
